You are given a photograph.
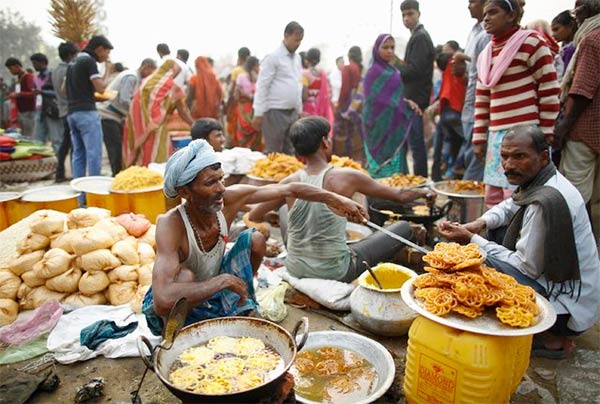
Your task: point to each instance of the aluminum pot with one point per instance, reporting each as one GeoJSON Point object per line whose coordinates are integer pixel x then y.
{"type": "Point", "coordinates": [466, 206]}
{"type": "Point", "coordinates": [382, 311]}
{"type": "Point", "coordinates": [200, 333]}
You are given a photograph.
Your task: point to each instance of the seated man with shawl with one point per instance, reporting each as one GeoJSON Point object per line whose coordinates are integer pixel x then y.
{"type": "Point", "coordinates": [316, 238]}
{"type": "Point", "coordinates": [191, 238]}
{"type": "Point", "coordinates": [548, 242]}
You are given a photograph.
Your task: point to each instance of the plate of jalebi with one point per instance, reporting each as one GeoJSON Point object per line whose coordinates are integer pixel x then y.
{"type": "Point", "coordinates": [460, 188]}
{"type": "Point", "coordinates": [275, 167]}
{"type": "Point", "coordinates": [460, 291]}
{"type": "Point", "coordinates": [404, 181]}
{"type": "Point", "coordinates": [347, 162]}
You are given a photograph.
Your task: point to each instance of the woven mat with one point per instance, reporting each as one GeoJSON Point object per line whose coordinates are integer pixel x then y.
{"type": "Point", "coordinates": [27, 170]}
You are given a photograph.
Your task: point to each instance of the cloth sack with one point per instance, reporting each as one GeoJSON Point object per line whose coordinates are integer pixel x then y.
{"type": "Point", "coordinates": [332, 294]}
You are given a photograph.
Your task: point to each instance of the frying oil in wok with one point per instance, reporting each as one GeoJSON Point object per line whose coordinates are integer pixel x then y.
{"type": "Point", "coordinates": [225, 365]}
{"type": "Point", "coordinates": [333, 375]}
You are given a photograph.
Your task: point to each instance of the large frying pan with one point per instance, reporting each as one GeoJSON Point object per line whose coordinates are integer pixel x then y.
{"type": "Point", "coordinates": [200, 333]}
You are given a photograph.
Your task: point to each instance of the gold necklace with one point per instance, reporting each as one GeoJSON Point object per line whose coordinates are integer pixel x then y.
{"type": "Point", "coordinates": [196, 232]}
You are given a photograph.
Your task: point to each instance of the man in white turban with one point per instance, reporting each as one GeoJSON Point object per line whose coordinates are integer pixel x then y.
{"type": "Point", "coordinates": [191, 238]}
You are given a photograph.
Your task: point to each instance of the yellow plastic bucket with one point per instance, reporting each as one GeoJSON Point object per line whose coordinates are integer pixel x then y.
{"type": "Point", "coordinates": [150, 202]}
{"type": "Point", "coordinates": [8, 202]}
{"type": "Point", "coordinates": [98, 194]}
{"type": "Point", "coordinates": [62, 198]}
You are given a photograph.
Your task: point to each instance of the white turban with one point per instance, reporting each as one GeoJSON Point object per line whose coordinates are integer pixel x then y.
{"type": "Point", "coordinates": [185, 164]}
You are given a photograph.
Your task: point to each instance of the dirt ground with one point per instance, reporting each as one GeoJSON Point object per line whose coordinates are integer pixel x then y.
{"type": "Point", "coordinates": [576, 379]}
{"type": "Point", "coordinates": [573, 380]}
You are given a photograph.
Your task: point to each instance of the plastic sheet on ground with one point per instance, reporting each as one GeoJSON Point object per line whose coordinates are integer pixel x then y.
{"type": "Point", "coordinates": [19, 353]}
{"type": "Point", "coordinates": [41, 321]}
{"type": "Point", "coordinates": [64, 340]}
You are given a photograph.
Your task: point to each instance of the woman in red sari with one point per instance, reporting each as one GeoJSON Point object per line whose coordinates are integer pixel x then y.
{"type": "Point", "coordinates": [205, 93]}
{"type": "Point", "coordinates": [245, 87]}
{"type": "Point", "coordinates": [318, 101]}
{"type": "Point", "coordinates": [347, 128]}
{"type": "Point", "coordinates": [146, 136]}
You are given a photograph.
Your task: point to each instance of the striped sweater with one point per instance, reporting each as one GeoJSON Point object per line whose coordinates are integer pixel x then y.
{"type": "Point", "coordinates": [527, 93]}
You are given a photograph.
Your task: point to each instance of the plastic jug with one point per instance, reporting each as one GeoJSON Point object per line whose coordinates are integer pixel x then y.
{"type": "Point", "coordinates": [446, 365]}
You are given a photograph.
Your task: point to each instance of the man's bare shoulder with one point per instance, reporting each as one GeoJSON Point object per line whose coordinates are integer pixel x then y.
{"type": "Point", "coordinates": [339, 178]}
{"type": "Point", "coordinates": [171, 219]}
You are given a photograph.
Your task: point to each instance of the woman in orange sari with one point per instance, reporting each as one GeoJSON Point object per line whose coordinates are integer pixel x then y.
{"type": "Point", "coordinates": [146, 136]}
{"type": "Point", "coordinates": [205, 93]}
{"type": "Point", "coordinates": [245, 87]}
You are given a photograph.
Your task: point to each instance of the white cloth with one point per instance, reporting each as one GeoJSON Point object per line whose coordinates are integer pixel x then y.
{"type": "Point", "coordinates": [332, 294]}
{"type": "Point", "coordinates": [529, 255]}
{"type": "Point", "coordinates": [335, 78]}
{"type": "Point", "coordinates": [183, 78]}
{"type": "Point", "coordinates": [63, 341]}
{"type": "Point", "coordinates": [279, 84]}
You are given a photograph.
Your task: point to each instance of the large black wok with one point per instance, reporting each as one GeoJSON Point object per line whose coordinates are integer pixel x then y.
{"type": "Point", "coordinates": [378, 214]}
{"type": "Point", "coordinates": [200, 333]}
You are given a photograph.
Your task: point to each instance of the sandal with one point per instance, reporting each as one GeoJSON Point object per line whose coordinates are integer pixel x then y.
{"type": "Point", "coordinates": [538, 349]}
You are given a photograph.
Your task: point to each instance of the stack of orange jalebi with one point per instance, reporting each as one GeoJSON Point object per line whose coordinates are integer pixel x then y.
{"type": "Point", "coordinates": [457, 281]}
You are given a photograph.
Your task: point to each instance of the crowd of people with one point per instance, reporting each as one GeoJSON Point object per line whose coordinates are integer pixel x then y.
{"type": "Point", "coordinates": [518, 108]}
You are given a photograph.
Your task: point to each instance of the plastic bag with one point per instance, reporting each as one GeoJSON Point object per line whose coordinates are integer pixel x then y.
{"type": "Point", "coordinates": [42, 321]}
{"type": "Point", "coordinates": [271, 304]}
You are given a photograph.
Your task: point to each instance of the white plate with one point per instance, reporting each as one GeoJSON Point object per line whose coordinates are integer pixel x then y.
{"type": "Point", "coordinates": [488, 323]}
{"type": "Point", "coordinates": [96, 184]}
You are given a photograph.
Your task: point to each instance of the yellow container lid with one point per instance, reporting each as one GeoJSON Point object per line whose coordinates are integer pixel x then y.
{"type": "Point", "coordinates": [50, 194]}
{"type": "Point", "coordinates": [9, 196]}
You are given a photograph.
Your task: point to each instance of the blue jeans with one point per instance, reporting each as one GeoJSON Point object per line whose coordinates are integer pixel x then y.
{"type": "Point", "coordinates": [416, 143]}
{"type": "Point", "coordinates": [448, 138]}
{"type": "Point", "coordinates": [86, 139]}
{"type": "Point", "coordinates": [473, 166]}
{"type": "Point", "coordinates": [47, 128]}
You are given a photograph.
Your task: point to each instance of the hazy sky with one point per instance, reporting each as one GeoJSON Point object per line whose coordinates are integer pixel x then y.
{"type": "Point", "coordinates": [218, 28]}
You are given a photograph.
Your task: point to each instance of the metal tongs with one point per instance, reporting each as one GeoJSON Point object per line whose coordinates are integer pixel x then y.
{"type": "Point", "coordinates": [396, 237]}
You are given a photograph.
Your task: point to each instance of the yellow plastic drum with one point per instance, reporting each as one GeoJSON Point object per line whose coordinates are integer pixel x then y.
{"type": "Point", "coordinates": [62, 198]}
{"type": "Point", "coordinates": [8, 204]}
{"type": "Point", "coordinates": [150, 201]}
{"type": "Point", "coordinates": [98, 194]}
{"type": "Point", "coordinates": [446, 365]}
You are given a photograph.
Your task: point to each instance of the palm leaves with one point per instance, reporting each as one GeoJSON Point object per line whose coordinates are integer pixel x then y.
{"type": "Point", "coordinates": [73, 20]}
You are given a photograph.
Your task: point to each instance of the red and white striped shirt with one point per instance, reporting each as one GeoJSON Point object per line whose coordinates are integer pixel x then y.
{"type": "Point", "coordinates": [526, 94]}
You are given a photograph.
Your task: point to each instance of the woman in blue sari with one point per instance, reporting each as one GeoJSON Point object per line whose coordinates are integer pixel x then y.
{"type": "Point", "coordinates": [386, 114]}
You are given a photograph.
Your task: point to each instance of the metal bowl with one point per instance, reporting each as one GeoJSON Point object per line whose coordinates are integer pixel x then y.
{"type": "Point", "coordinates": [371, 350]}
{"type": "Point", "coordinates": [259, 181]}
{"type": "Point", "coordinates": [361, 229]}
{"type": "Point", "coordinates": [466, 207]}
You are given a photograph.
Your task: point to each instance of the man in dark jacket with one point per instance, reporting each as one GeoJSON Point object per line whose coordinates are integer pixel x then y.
{"type": "Point", "coordinates": [417, 73]}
